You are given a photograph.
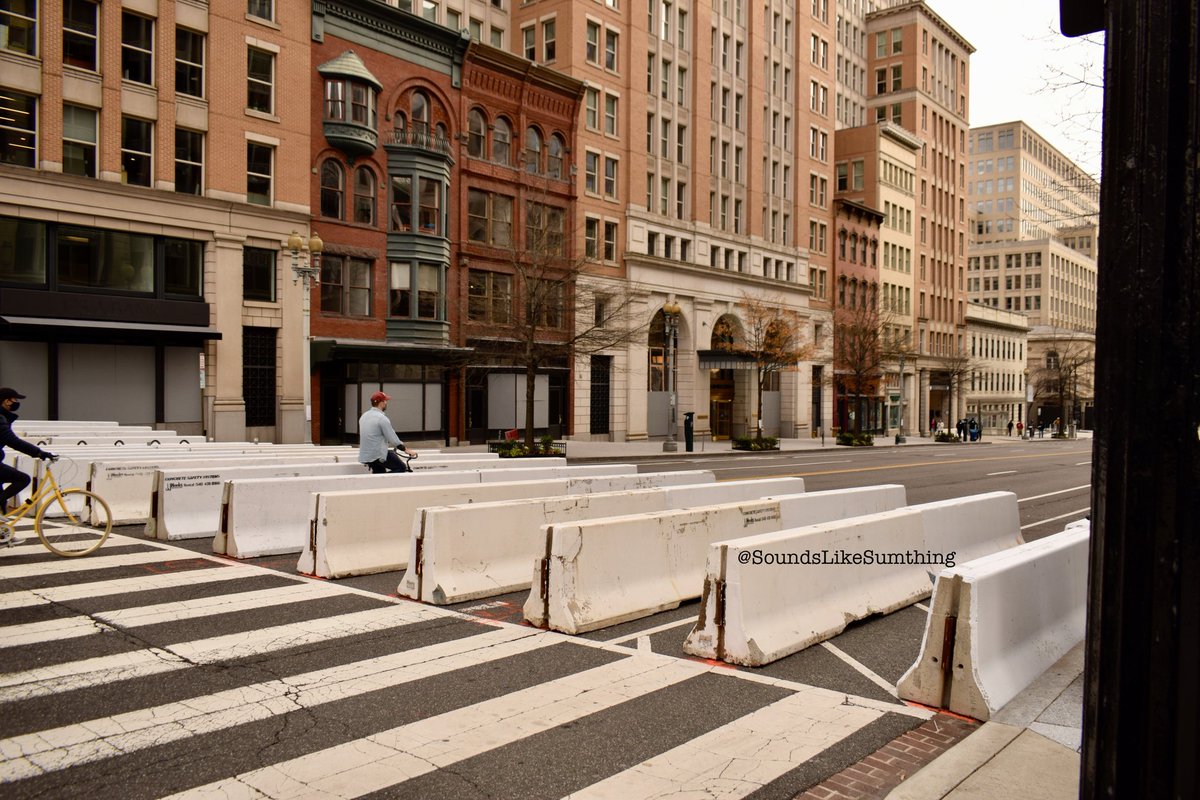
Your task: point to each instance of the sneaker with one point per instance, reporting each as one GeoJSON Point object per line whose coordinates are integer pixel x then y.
{"type": "Point", "coordinates": [10, 539]}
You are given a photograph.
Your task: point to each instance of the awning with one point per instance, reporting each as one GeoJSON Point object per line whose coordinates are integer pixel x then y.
{"type": "Point", "coordinates": [80, 327]}
{"type": "Point", "coordinates": [723, 359]}
{"type": "Point", "coordinates": [324, 349]}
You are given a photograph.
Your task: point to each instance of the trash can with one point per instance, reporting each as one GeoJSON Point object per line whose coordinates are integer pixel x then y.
{"type": "Point", "coordinates": [689, 430]}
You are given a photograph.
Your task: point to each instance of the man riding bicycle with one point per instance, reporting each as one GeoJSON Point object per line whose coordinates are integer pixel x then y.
{"type": "Point", "coordinates": [375, 435]}
{"type": "Point", "coordinates": [12, 480]}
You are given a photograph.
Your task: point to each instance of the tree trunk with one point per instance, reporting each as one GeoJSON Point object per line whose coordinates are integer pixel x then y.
{"type": "Point", "coordinates": [760, 408]}
{"type": "Point", "coordinates": [530, 387]}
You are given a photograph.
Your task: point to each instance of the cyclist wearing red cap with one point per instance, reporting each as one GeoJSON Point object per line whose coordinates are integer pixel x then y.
{"type": "Point", "coordinates": [376, 437]}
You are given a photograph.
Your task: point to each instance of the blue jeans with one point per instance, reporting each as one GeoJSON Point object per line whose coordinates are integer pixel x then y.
{"type": "Point", "coordinates": [13, 481]}
{"type": "Point", "coordinates": [389, 463]}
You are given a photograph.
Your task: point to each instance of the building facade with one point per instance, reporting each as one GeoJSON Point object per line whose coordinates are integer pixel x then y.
{"type": "Point", "coordinates": [996, 391]}
{"type": "Point", "coordinates": [148, 183]}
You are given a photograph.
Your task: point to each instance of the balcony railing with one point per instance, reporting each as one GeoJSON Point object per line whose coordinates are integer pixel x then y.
{"type": "Point", "coordinates": [416, 137]}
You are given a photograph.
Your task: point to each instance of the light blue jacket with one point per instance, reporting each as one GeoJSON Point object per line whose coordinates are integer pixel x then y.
{"type": "Point", "coordinates": [375, 435]}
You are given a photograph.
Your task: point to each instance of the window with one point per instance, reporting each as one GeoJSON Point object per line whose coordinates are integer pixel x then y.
{"type": "Point", "coordinates": [475, 27]}
{"type": "Point", "coordinates": [665, 93]}
{"type": "Point", "coordinates": [419, 108]}
{"type": "Point", "coordinates": [453, 19]}
{"type": "Point", "coordinates": [858, 170]}
{"type": "Point", "coordinates": [183, 267]}
{"type": "Point", "coordinates": [501, 140]}
{"type": "Point", "coordinates": [18, 27]}
{"type": "Point", "coordinates": [543, 228]}
{"type": "Point", "coordinates": [189, 62]}
{"type": "Point", "coordinates": [402, 191]}
{"type": "Point", "coordinates": [189, 161]}
{"type": "Point", "coordinates": [546, 304]}
{"type": "Point", "coordinates": [18, 129]}
{"type": "Point", "coordinates": [362, 104]}
{"type": "Point", "coordinates": [496, 37]}
{"type": "Point", "coordinates": [610, 114]}
{"type": "Point", "coordinates": [137, 48]}
{"type": "Point", "coordinates": [259, 166]}
{"type": "Point", "coordinates": [591, 237]}
{"type": "Point", "coordinates": [136, 148]}
{"type": "Point", "coordinates": [681, 87]}
{"type": "Point", "coordinates": [533, 151]}
{"type": "Point", "coordinates": [258, 375]}
{"type": "Point", "coordinates": [489, 218]}
{"type": "Point", "coordinates": [610, 176]}
{"type": "Point", "coordinates": [260, 80]}
{"type": "Point", "coordinates": [428, 291]}
{"type": "Point", "coordinates": [610, 241]}
{"type": "Point", "coordinates": [263, 9]}
{"type": "Point", "coordinates": [548, 40]}
{"type": "Point", "coordinates": [79, 34]}
{"type": "Point", "coordinates": [333, 185]}
{"type": "Point", "coordinates": [476, 133]}
{"type": "Point", "coordinates": [897, 78]}
{"type": "Point", "coordinates": [591, 108]}
{"type": "Point", "coordinates": [591, 172]}
{"type": "Point", "coordinates": [681, 144]}
{"type": "Point", "coordinates": [610, 50]}
{"type": "Point", "coordinates": [554, 157]}
{"type": "Point", "coordinates": [346, 286]}
{"type": "Point", "coordinates": [593, 42]}
{"type": "Point", "coordinates": [430, 211]}
{"type": "Point", "coordinates": [364, 196]}
{"type": "Point", "coordinates": [843, 176]}
{"type": "Point", "coordinates": [79, 141]}
{"type": "Point", "coordinates": [529, 43]}
{"type": "Point", "coordinates": [489, 297]}
{"type": "Point", "coordinates": [258, 274]}
{"type": "Point", "coordinates": [429, 10]}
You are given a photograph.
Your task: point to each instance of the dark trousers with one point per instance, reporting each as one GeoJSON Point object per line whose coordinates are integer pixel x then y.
{"type": "Point", "coordinates": [12, 481]}
{"type": "Point", "coordinates": [389, 463]}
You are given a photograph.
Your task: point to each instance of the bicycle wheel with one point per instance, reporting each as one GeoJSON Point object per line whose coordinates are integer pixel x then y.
{"type": "Point", "coordinates": [70, 534]}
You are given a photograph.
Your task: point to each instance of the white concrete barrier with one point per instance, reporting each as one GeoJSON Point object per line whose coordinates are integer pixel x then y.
{"type": "Point", "coordinates": [359, 533]}
{"type": "Point", "coordinates": [462, 552]}
{"type": "Point", "coordinates": [186, 501]}
{"type": "Point", "coordinates": [128, 485]}
{"type": "Point", "coordinates": [605, 571]}
{"type": "Point", "coordinates": [271, 516]}
{"type": "Point", "coordinates": [774, 594]}
{"type": "Point", "coordinates": [1010, 616]}
{"type": "Point", "coordinates": [117, 439]}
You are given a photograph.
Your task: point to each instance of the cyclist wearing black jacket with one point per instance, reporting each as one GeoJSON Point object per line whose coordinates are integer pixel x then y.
{"type": "Point", "coordinates": [12, 480]}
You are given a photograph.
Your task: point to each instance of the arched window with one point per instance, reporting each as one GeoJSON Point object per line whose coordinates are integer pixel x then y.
{"type": "Point", "coordinates": [554, 157]}
{"type": "Point", "coordinates": [476, 133]}
{"type": "Point", "coordinates": [501, 142]}
{"type": "Point", "coordinates": [364, 196]}
{"type": "Point", "coordinates": [400, 122]}
{"type": "Point", "coordinates": [333, 184]}
{"type": "Point", "coordinates": [533, 151]}
{"type": "Point", "coordinates": [420, 114]}
{"type": "Point", "coordinates": [439, 133]}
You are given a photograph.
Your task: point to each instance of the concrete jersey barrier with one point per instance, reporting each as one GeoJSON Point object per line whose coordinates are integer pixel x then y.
{"type": "Point", "coordinates": [606, 571]}
{"type": "Point", "coordinates": [771, 595]}
{"type": "Point", "coordinates": [271, 516]}
{"type": "Point", "coordinates": [366, 532]}
{"type": "Point", "coordinates": [110, 438]}
{"type": "Point", "coordinates": [186, 502]}
{"type": "Point", "coordinates": [1006, 618]}
{"type": "Point", "coordinates": [463, 552]}
{"type": "Point", "coordinates": [128, 486]}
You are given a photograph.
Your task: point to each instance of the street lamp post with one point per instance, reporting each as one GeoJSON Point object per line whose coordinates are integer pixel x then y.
{"type": "Point", "coordinates": [671, 312]}
{"type": "Point", "coordinates": [900, 432]}
{"type": "Point", "coordinates": [306, 267]}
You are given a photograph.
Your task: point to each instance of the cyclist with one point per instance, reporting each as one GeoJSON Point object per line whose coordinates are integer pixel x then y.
{"type": "Point", "coordinates": [12, 480]}
{"type": "Point", "coordinates": [375, 436]}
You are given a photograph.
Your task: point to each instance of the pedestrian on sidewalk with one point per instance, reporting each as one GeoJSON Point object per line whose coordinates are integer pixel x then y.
{"type": "Point", "coordinates": [1010, 427]}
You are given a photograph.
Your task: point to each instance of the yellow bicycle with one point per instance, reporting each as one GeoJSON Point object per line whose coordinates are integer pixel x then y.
{"type": "Point", "coordinates": [69, 533]}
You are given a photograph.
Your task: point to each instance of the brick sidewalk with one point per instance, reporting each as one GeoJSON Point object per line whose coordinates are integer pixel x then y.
{"type": "Point", "coordinates": [884, 770]}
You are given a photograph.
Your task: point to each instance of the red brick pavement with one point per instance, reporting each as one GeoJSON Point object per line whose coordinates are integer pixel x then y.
{"type": "Point", "coordinates": [884, 770]}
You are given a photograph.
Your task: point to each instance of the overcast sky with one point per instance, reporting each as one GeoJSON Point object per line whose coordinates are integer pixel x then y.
{"type": "Point", "coordinates": [1018, 53]}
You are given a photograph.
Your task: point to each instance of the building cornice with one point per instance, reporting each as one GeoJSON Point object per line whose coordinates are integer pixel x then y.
{"type": "Point", "coordinates": [920, 6]}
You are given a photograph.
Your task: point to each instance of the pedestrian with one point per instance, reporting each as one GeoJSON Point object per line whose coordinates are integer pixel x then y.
{"type": "Point", "coordinates": [1020, 428]}
{"type": "Point", "coordinates": [961, 427]}
{"type": "Point", "coordinates": [1010, 427]}
{"type": "Point", "coordinates": [12, 480]}
{"type": "Point", "coordinates": [376, 437]}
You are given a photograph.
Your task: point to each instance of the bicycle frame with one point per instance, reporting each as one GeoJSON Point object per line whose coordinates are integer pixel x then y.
{"type": "Point", "coordinates": [45, 490]}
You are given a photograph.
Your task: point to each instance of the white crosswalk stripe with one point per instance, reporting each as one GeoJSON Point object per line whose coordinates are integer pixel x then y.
{"type": "Point", "coordinates": [486, 702]}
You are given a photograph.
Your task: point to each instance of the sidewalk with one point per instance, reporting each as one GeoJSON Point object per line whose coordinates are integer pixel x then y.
{"type": "Point", "coordinates": [1030, 749]}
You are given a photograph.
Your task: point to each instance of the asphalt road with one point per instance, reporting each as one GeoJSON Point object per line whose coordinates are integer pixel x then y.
{"type": "Point", "coordinates": [1051, 479]}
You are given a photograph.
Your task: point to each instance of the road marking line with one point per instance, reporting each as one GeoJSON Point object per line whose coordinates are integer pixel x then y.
{"type": "Point", "coordinates": [861, 668]}
{"type": "Point", "coordinates": [643, 645]}
{"type": "Point", "coordinates": [1005, 472]}
{"type": "Point", "coordinates": [1052, 494]}
{"type": "Point", "coordinates": [913, 464]}
{"type": "Point", "coordinates": [1084, 464]}
{"type": "Point", "coordinates": [922, 606]}
{"type": "Point", "coordinates": [651, 631]}
{"type": "Point", "coordinates": [1053, 519]}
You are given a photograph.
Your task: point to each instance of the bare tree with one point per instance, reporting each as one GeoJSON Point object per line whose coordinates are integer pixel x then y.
{"type": "Point", "coordinates": [1065, 367]}
{"type": "Point", "coordinates": [561, 310]}
{"type": "Point", "coordinates": [771, 335]}
{"type": "Point", "coordinates": [861, 351]}
{"type": "Point", "coordinates": [957, 367]}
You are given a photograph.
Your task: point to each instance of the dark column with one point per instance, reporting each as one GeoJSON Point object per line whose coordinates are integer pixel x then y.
{"type": "Point", "coordinates": [1141, 706]}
